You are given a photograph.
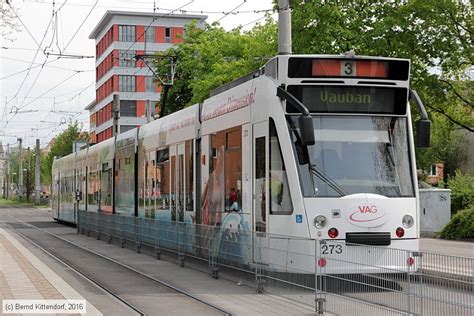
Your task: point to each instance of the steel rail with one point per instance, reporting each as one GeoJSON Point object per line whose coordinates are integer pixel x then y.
{"type": "Point", "coordinates": [79, 272]}
{"type": "Point", "coordinates": [161, 282]}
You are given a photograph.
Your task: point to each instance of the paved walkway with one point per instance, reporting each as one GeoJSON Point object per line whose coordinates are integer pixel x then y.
{"type": "Point", "coordinates": [448, 247]}
{"type": "Point", "coordinates": [24, 277]}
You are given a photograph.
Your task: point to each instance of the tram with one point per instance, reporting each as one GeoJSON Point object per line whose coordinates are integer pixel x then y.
{"type": "Point", "coordinates": [315, 147]}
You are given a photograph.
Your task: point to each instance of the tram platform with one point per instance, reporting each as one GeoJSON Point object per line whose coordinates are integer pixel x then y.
{"type": "Point", "coordinates": [231, 295]}
{"type": "Point", "coordinates": [23, 276]}
{"type": "Point", "coordinates": [26, 273]}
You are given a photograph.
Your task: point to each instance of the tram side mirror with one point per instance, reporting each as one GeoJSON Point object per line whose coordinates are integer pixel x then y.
{"type": "Point", "coordinates": [423, 133]}
{"type": "Point", "coordinates": [306, 130]}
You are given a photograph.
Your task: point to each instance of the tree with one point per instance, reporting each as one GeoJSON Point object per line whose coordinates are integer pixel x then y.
{"type": "Point", "coordinates": [435, 34]}
{"type": "Point", "coordinates": [28, 165]}
{"type": "Point", "coordinates": [61, 147]}
{"type": "Point", "coordinates": [447, 146]}
{"type": "Point", "coordinates": [211, 56]}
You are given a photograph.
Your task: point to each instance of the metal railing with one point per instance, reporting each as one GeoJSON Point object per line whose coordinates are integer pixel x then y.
{"type": "Point", "coordinates": [329, 276]}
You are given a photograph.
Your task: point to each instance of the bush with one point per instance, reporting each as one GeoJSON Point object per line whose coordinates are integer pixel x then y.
{"type": "Point", "coordinates": [461, 225]}
{"type": "Point", "coordinates": [462, 191]}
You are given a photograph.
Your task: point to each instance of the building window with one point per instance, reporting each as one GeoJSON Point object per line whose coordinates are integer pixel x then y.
{"type": "Point", "coordinates": [126, 58]}
{"type": "Point", "coordinates": [126, 33]}
{"type": "Point", "coordinates": [126, 128]}
{"type": "Point", "coordinates": [128, 108]}
{"type": "Point", "coordinates": [150, 34]}
{"type": "Point", "coordinates": [149, 84]}
{"type": "Point", "coordinates": [127, 83]}
{"type": "Point", "coordinates": [167, 35]}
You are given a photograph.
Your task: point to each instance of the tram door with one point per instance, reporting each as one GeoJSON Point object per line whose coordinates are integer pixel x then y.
{"type": "Point", "coordinates": [177, 182]}
{"type": "Point", "coordinates": [260, 186]}
{"type": "Point", "coordinates": [55, 195]}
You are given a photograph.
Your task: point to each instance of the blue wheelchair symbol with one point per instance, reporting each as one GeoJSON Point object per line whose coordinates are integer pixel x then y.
{"type": "Point", "coordinates": [299, 219]}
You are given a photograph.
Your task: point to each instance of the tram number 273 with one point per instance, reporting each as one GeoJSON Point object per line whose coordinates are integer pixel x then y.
{"type": "Point", "coordinates": [331, 249]}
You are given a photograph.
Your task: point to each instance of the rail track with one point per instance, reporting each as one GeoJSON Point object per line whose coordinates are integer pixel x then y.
{"type": "Point", "coordinates": [99, 270]}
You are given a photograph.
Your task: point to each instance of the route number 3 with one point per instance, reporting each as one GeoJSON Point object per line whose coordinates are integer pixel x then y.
{"type": "Point", "coordinates": [348, 68]}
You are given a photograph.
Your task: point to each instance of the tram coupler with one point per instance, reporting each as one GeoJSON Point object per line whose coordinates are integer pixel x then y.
{"type": "Point", "coordinates": [158, 253]}
{"type": "Point", "coordinates": [139, 246]}
{"type": "Point", "coordinates": [319, 304]}
{"type": "Point", "coordinates": [181, 260]}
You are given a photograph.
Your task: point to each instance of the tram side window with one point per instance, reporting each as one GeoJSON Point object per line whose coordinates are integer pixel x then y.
{"type": "Point", "coordinates": [213, 195]}
{"type": "Point", "coordinates": [280, 199]}
{"type": "Point", "coordinates": [62, 189]}
{"type": "Point", "coordinates": [65, 195]}
{"type": "Point", "coordinates": [162, 179]}
{"type": "Point", "coordinates": [189, 176]}
{"type": "Point", "coordinates": [223, 189]}
{"type": "Point", "coordinates": [233, 170]}
{"type": "Point", "coordinates": [106, 188]}
{"type": "Point", "coordinates": [55, 191]}
{"type": "Point", "coordinates": [69, 189]}
{"type": "Point", "coordinates": [92, 192]}
{"type": "Point", "coordinates": [150, 186]}
{"type": "Point", "coordinates": [261, 216]}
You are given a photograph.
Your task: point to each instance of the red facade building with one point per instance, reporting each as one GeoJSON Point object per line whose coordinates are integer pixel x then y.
{"type": "Point", "coordinates": [119, 37]}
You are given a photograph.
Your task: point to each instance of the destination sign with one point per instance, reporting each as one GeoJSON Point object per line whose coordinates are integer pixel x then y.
{"type": "Point", "coordinates": [390, 69]}
{"type": "Point", "coordinates": [350, 99]}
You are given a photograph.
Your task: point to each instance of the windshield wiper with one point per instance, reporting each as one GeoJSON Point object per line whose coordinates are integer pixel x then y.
{"type": "Point", "coordinates": [326, 179]}
{"type": "Point", "coordinates": [304, 158]}
{"type": "Point", "coordinates": [389, 150]}
{"type": "Point", "coordinates": [389, 146]}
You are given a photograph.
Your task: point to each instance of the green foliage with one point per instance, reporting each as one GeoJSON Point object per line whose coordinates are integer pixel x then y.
{"type": "Point", "coordinates": [13, 202]}
{"type": "Point", "coordinates": [28, 166]}
{"type": "Point", "coordinates": [211, 56]}
{"type": "Point", "coordinates": [448, 145]}
{"type": "Point", "coordinates": [436, 35]}
{"type": "Point", "coordinates": [461, 225]}
{"type": "Point", "coordinates": [462, 191]}
{"type": "Point", "coordinates": [8, 203]}
{"type": "Point", "coordinates": [429, 32]}
{"type": "Point", "coordinates": [62, 147]}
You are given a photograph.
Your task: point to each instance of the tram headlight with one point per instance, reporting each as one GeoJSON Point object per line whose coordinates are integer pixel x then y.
{"type": "Point", "coordinates": [320, 221]}
{"type": "Point", "coordinates": [408, 221]}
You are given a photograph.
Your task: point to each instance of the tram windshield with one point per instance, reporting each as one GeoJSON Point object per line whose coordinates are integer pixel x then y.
{"type": "Point", "coordinates": [355, 154]}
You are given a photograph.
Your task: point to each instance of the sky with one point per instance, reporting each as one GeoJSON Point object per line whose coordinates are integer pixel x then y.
{"type": "Point", "coordinates": [39, 102]}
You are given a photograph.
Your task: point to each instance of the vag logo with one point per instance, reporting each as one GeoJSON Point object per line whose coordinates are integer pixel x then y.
{"type": "Point", "coordinates": [366, 215]}
{"type": "Point", "coordinates": [368, 209]}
